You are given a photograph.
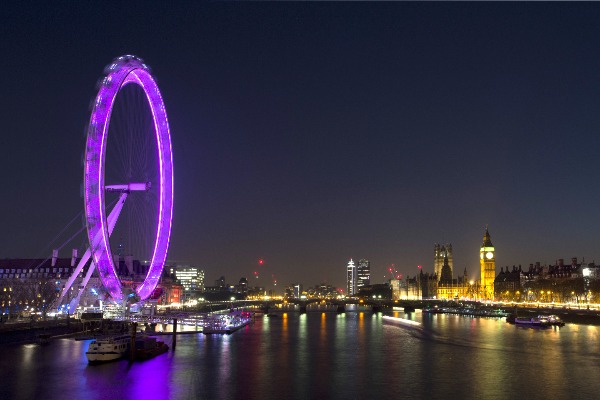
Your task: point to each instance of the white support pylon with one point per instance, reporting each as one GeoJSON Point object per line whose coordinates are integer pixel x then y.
{"type": "Point", "coordinates": [112, 220]}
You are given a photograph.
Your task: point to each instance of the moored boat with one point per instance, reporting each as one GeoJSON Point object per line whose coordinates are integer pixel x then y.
{"type": "Point", "coordinates": [553, 320]}
{"type": "Point", "coordinates": [532, 322]}
{"type": "Point", "coordinates": [107, 349]}
{"type": "Point", "coordinates": [148, 347]}
{"type": "Point", "coordinates": [227, 323]}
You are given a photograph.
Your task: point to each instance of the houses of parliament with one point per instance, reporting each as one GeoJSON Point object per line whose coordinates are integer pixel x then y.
{"type": "Point", "coordinates": [442, 282]}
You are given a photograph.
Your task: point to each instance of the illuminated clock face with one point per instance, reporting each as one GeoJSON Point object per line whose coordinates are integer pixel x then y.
{"type": "Point", "coordinates": [489, 255]}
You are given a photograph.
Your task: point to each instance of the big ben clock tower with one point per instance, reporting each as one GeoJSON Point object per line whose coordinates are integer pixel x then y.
{"type": "Point", "coordinates": [487, 260]}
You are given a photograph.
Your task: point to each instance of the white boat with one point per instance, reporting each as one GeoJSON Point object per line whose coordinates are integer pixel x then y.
{"type": "Point", "coordinates": [108, 349]}
{"type": "Point", "coordinates": [227, 323]}
{"type": "Point", "coordinates": [553, 320]}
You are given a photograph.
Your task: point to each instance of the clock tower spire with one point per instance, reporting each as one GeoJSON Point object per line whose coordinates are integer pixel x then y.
{"type": "Point", "coordinates": [487, 261]}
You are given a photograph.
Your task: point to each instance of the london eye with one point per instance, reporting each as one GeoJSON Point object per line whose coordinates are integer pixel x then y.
{"type": "Point", "coordinates": [129, 163]}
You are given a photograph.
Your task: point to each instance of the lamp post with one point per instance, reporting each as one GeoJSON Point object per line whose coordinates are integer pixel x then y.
{"type": "Point", "coordinates": [588, 296]}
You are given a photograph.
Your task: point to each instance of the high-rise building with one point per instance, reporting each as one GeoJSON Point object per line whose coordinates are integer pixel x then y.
{"type": "Point", "coordinates": [191, 278]}
{"type": "Point", "coordinates": [487, 261]}
{"type": "Point", "coordinates": [441, 252]}
{"type": "Point", "coordinates": [242, 285]}
{"type": "Point", "coordinates": [297, 290]}
{"type": "Point", "coordinates": [363, 274]}
{"type": "Point", "coordinates": [351, 278]}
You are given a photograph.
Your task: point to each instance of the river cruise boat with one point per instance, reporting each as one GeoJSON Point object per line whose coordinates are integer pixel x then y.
{"type": "Point", "coordinates": [532, 322]}
{"type": "Point", "coordinates": [108, 348]}
{"type": "Point", "coordinates": [227, 323]}
{"type": "Point", "coordinates": [553, 320]}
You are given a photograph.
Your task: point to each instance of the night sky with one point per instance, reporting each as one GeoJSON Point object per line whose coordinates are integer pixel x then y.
{"type": "Point", "coordinates": [306, 134]}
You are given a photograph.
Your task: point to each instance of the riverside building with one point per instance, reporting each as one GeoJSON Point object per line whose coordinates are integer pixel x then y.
{"type": "Point", "coordinates": [487, 262]}
{"type": "Point", "coordinates": [351, 278]}
{"type": "Point", "coordinates": [442, 254]}
{"type": "Point", "coordinates": [363, 274]}
{"type": "Point", "coordinates": [33, 285]}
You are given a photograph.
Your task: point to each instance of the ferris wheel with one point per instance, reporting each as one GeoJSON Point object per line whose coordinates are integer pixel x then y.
{"type": "Point", "coordinates": [129, 146]}
{"type": "Point", "coordinates": [123, 72]}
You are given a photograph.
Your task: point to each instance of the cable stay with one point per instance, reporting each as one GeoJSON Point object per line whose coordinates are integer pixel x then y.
{"type": "Point", "coordinates": [74, 302]}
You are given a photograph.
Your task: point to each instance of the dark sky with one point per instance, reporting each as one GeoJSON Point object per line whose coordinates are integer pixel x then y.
{"type": "Point", "coordinates": [307, 134]}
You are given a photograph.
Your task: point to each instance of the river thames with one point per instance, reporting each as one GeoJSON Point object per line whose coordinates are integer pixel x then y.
{"type": "Point", "coordinates": [327, 356]}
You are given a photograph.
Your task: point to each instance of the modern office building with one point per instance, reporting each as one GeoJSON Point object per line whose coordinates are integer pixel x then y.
{"type": "Point", "coordinates": [351, 277]}
{"type": "Point", "coordinates": [242, 286]}
{"type": "Point", "coordinates": [363, 274]}
{"type": "Point", "coordinates": [297, 290]}
{"type": "Point", "coordinates": [191, 278]}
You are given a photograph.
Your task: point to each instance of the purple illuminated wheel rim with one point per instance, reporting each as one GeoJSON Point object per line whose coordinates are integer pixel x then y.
{"type": "Point", "coordinates": [123, 71]}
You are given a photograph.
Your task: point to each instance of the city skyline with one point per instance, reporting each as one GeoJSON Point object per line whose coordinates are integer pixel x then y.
{"type": "Point", "coordinates": [305, 135]}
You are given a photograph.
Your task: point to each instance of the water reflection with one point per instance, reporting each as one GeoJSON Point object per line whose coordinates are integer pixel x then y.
{"type": "Point", "coordinates": [326, 355]}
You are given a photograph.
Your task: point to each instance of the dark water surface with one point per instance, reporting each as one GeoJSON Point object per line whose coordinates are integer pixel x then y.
{"type": "Point", "coordinates": [327, 356]}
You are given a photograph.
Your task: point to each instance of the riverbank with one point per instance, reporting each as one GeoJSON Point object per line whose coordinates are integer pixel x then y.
{"type": "Point", "coordinates": [29, 332]}
{"type": "Point", "coordinates": [572, 316]}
